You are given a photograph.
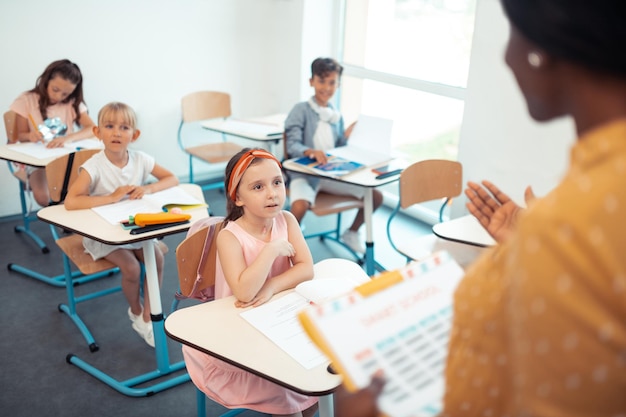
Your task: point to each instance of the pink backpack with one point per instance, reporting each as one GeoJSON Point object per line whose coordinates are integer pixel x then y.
{"type": "Point", "coordinates": [196, 258]}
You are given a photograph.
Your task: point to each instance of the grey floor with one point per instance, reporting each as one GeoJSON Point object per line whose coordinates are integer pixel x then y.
{"type": "Point", "coordinates": [35, 378]}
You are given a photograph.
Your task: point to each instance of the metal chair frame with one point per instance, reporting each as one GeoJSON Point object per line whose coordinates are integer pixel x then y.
{"type": "Point", "coordinates": [203, 105]}
{"type": "Point", "coordinates": [426, 181]}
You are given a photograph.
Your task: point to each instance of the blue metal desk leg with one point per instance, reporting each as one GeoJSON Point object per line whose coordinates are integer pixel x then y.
{"type": "Point", "coordinates": [27, 217]}
{"type": "Point", "coordinates": [368, 211]}
{"type": "Point", "coordinates": [325, 406]}
{"type": "Point", "coordinates": [162, 357]}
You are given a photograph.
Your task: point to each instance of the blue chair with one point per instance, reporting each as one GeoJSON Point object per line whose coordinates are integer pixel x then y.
{"type": "Point", "coordinates": [423, 181]}
{"type": "Point", "coordinates": [10, 124]}
{"type": "Point", "coordinates": [203, 105]}
{"type": "Point", "coordinates": [60, 174]}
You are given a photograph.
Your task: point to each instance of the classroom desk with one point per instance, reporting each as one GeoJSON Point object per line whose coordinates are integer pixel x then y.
{"type": "Point", "coordinates": [365, 178]}
{"type": "Point", "coordinates": [10, 154]}
{"type": "Point", "coordinates": [268, 129]}
{"type": "Point", "coordinates": [230, 339]}
{"type": "Point", "coordinates": [88, 223]}
{"type": "Point", "coordinates": [466, 229]}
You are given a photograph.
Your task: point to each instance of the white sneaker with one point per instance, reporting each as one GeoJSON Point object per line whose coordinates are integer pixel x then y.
{"type": "Point", "coordinates": [133, 317]}
{"type": "Point", "coordinates": [142, 328]}
{"type": "Point", "coordinates": [353, 241]}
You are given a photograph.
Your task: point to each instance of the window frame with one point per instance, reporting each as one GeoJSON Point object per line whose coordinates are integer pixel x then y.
{"type": "Point", "coordinates": [428, 212]}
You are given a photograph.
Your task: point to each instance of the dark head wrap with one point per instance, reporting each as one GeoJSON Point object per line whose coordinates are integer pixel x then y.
{"type": "Point", "coordinates": [588, 32]}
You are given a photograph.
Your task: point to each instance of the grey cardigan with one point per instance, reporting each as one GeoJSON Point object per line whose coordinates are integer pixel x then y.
{"type": "Point", "coordinates": [300, 127]}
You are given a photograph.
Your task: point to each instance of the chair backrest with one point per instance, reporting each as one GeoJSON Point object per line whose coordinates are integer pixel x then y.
{"type": "Point", "coordinates": [62, 172]}
{"type": "Point", "coordinates": [203, 105]}
{"type": "Point", "coordinates": [10, 124]}
{"type": "Point", "coordinates": [430, 180]}
{"type": "Point", "coordinates": [196, 257]}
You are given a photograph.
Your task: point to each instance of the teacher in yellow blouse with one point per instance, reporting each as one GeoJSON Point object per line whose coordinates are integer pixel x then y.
{"type": "Point", "coordinates": [540, 320]}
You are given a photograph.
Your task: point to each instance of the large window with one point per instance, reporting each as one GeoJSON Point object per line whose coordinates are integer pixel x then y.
{"type": "Point", "coordinates": [407, 60]}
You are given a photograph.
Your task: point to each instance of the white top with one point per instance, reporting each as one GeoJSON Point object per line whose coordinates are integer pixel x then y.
{"type": "Point", "coordinates": [106, 177]}
{"type": "Point", "coordinates": [466, 229]}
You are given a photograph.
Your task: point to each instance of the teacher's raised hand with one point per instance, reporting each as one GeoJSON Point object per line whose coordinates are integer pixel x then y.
{"type": "Point", "coordinates": [494, 209]}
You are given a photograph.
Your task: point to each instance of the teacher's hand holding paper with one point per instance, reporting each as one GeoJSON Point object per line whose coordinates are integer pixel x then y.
{"type": "Point", "coordinates": [361, 403]}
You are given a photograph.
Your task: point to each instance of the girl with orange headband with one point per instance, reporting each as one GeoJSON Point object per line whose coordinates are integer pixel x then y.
{"type": "Point", "coordinates": [261, 251]}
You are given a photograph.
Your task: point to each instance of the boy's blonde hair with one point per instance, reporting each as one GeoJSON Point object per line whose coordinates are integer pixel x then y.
{"type": "Point", "coordinates": [115, 108]}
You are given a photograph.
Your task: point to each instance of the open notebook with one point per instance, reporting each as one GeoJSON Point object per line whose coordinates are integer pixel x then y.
{"type": "Point", "coordinates": [369, 143]}
{"type": "Point", "coordinates": [161, 201]}
{"type": "Point", "coordinates": [278, 318]}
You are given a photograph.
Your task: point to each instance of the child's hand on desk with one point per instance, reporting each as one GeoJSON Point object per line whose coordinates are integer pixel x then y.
{"type": "Point", "coordinates": [57, 142]}
{"type": "Point", "coordinates": [262, 297]}
{"type": "Point", "coordinates": [122, 192]}
{"type": "Point", "coordinates": [319, 156]}
{"type": "Point", "coordinates": [138, 192]}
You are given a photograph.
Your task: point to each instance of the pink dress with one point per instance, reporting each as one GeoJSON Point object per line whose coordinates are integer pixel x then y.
{"type": "Point", "coordinates": [226, 384]}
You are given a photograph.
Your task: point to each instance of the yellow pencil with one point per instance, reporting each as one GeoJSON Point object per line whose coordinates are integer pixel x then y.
{"type": "Point", "coordinates": [32, 120]}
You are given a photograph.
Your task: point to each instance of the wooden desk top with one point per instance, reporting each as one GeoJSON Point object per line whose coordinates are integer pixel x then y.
{"type": "Point", "coordinates": [217, 329]}
{"type": "Point", "coordinates": [90, 224]}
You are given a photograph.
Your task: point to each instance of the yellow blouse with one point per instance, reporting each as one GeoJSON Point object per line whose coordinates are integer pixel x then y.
{"type": "Point", "coordinates": [540, 321]}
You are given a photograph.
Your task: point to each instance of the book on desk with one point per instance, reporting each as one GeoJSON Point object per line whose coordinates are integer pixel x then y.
{"type": "Point", "coordinates": [334, 167]}
{"type": "Point", "coordinates": [278, 320]}
{"type": "Point", "coordinates": [398, 323]}
{"type": "Point", "coordinates": [162, 201]}
{"type": "Point", "coordinates": [369, 146]}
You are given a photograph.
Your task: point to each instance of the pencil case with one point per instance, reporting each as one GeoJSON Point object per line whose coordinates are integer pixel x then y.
{"type": "Point", "coordinates": [145, 219]}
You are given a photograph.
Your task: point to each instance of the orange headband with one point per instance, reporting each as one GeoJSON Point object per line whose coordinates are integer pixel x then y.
{"type": "Point", "coordinates": [242, 165]}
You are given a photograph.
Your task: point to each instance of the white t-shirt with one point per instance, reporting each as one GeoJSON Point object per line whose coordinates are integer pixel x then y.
{"type": "Point", "coordinates": [106, 178]}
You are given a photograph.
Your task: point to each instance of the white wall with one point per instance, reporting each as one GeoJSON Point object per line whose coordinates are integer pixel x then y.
{"type": "Point", "coordinates": [499, 141]}
{"type": "Point", "coordinates": [149, 53]}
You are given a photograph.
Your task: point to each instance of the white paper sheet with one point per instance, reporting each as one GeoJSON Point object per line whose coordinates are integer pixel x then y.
{"type": "Point", "coordinates": [278, 320]}
{"type": "Point", "coordinates": [246, 126]}
{"type": "Point", "coordinates": [369, 143]}
{"type": "Point", "coordinates": [38, 150]}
